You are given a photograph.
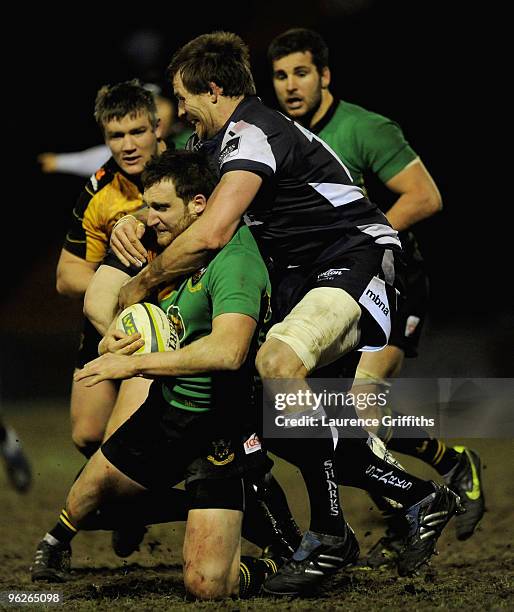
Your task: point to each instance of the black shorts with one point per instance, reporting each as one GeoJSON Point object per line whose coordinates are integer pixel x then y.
{"type": "Point", "coordinates": [159, 446]}
{"type": "Point", "coordinates": [412, 306]}
{"type": "Point", "coordinates": [88, 347]}
{"type": "Point", "coordinates": [367, 273]}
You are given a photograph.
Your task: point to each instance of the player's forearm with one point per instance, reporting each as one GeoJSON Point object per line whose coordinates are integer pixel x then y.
{"type": "Point", "coordinates": [410, 209]}
{"type": "Point", "coordinates": [189, 252]}
{"type": "Point", "coordinates": [101, 299]}
{"type": "Point", "coordinates": [73, 280]}
{"type": "Point", "coordinates": [101, 314]}
{"type": "Point", "coordinates": [203, 355]}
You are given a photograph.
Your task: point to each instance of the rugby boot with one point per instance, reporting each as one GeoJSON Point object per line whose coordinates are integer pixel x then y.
{"type": "Point", "coordinates": [466, 480]}
{"type": "Point", "coordinates": [384, 554]}
{"type": "Point", "coordinates": [51, 563]}
{"type": "Point", "coordinates": [317, 557]}
{"type": "Point", "coordinates": [426, 521]}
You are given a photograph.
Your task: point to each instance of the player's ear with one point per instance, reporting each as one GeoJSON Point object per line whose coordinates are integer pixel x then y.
{"type": "Point", "coordinates": [215, 91]}
{"type": "Point", "coordinates": [198, 204]}
{"type": "Point", "coordinates": [158, 128]}
{"type": "Point", "coordinates": [325, 77]}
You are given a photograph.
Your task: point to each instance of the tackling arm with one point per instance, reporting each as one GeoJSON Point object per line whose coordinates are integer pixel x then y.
{"type": "Point", "coordinates": [200, 242]}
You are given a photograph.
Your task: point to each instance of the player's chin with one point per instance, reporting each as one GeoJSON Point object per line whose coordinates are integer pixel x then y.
{"type": "Point", "coordinates": [132, 168]}
{"type": "Point", "coordinates": [164, 239]}
{"type": "Point", "coordinates": [296, 112]}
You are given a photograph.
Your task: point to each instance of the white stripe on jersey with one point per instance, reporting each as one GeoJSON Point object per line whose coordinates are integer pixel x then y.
{"type": "Point", "coordinates": [310, 136]}
{"type": "Point", "coordinates": [338, 194]}
{"type": "Point", "coordinates": [384, 234]}
{"type": "Point", "coordinates": [252, 144]}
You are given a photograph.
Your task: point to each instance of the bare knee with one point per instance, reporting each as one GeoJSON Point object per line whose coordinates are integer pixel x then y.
{"type": "Point", "coordinates": [207, 583]}
{"type": "Point", "coordinates": [87, 439]}
{"type": "Point", "coordinates": [276, 359]}
{"type": "Point", "coordinates": [91, 408]}
{"type": "Point", "coordinates": [95, 484]}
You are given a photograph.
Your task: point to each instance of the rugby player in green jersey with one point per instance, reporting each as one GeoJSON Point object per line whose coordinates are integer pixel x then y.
{"type": "Point", "coordinates": [198, 421]}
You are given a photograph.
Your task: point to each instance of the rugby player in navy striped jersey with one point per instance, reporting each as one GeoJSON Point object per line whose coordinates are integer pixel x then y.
{"type": "Point", "coordinates": [330, 253]}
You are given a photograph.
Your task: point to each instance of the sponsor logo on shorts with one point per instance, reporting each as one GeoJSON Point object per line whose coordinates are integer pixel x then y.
{"type": "Point", "coordinates": [221, 454]}
{"type": "Point", "coordinates": [374, 297]}
{"type": "Point", "coordinates": [375, 300]}
{"type": "Point", "coordinates": [330, 274]}
{"type": "Point", "coordinates": [252, 444]}
{"type": "Point", "coordinates": [410, 326]}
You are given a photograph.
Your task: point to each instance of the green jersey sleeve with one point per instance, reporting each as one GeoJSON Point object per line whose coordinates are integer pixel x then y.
{"type": "Point", "coordinates": [238, 279]}
{"type": "Point", "coordinates": [382, 145]}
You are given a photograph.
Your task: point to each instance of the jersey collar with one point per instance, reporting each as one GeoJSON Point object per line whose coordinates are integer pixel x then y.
{"type": "Point", "coordinates": [316, 129]}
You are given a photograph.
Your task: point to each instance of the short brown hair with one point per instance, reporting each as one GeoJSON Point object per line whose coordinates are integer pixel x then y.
{"type": "Point", "coordinates": [219, 57]}
{"type": "Point", "coordinates": [298, 40]}
{"type": "Point", "coordinates": [190, 171]}
{"type": "Point", "coordinates": [113, 102]}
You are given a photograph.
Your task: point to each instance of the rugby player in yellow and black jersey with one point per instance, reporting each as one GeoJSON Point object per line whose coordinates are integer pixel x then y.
{"type": "Point", "coordinates": [127, 116]}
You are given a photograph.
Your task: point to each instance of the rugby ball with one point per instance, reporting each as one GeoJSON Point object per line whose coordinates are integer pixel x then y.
{"type": "Point", "coordinates": [152, 323]}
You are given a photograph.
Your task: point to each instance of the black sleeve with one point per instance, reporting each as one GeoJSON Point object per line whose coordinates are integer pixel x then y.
{"type": "Point", "coordinates": [111, 260]}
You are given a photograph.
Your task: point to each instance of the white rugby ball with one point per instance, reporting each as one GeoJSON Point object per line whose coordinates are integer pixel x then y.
{"type": "Point", "coordinates": [152, 323]}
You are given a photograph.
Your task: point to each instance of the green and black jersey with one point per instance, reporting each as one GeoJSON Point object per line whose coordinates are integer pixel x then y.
{"type": "Point", "coordinates": [368, 142]}
{"type": "Point", "coordinates": [365, 141]}
{"type": "Point", "coordinates": [235, 281]}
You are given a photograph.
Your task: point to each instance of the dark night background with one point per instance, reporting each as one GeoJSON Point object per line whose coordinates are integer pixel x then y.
{"type": "Point", "coordinates": [413, 62]}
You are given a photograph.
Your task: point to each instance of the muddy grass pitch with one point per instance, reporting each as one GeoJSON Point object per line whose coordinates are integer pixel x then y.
{"type": "Point", "coordinates": [472, 575]}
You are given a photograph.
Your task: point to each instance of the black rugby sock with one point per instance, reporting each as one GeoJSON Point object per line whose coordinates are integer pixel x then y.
{"type": "Point", "coordinates": [358, 466]}
{"type": "Point", "coordinates": [315, 459]}
{"type": "Point", "coordinates": [64, 531]}
{"type": "Point", "coordinates": [267, 520]}
{"type": "Point", "coordinates": [257, 526]}
{"type": "Point", "coordinates": [419, 444]}
{"type": "Point", "coordinates": [275, 498]}
{"type": "Point", "coordinates": [430, 450]}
